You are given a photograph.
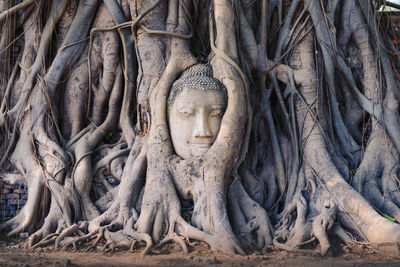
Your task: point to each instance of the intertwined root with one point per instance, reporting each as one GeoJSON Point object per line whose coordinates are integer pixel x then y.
{"type": "Point", "coordinates": [250, 221]}
{"type": "Point", "coordinates": [296, 157]}
{"type": "Point", "coordinates": [302, 223]}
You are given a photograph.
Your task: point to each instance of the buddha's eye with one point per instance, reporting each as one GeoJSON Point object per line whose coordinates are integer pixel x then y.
{"type": "Point", "coordinates": [186, 111]}
{"type": "Point", "coordinates": [216, 113]}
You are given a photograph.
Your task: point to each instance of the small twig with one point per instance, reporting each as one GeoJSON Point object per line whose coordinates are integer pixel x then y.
{"type": "Point", "coordinates": [74, 43]}
{"type": "Point", "coordinates": [171, 34]}
{"type": "Point", "coordinates": [14, 9]}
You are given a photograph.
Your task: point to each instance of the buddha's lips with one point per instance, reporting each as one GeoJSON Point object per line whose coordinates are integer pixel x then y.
{"type": "Point", "coordinates": [201, 144]}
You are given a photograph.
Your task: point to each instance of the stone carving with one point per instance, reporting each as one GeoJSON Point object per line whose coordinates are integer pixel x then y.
{"type": "Point", "coordinates": [196, 104]}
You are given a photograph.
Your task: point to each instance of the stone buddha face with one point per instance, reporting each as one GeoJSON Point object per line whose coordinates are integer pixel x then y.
{"type": "Point", "coordinates": [196, 105]}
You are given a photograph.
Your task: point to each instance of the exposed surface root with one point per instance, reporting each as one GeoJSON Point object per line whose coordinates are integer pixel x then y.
{"type": "Point", "coordinates": [250, 221]}
{"type": "Point", "coordinates": [308, 139]}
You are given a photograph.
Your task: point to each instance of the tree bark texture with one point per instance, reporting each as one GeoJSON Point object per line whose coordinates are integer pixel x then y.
{"type": "Point", "coordinates": [308, 146]}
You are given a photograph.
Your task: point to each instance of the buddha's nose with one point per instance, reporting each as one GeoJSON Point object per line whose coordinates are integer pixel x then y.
{"type": "Point", "coordinates": [202, 127]}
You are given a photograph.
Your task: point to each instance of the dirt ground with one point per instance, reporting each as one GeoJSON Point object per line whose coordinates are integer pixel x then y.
{"type": "Point", "coordinates": [12, 254]}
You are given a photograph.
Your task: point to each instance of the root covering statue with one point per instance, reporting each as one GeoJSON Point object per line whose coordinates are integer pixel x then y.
{"type": "Point", "coordinates": [243, 124]}
{"type": "Point", "coordinates": [196, 104]}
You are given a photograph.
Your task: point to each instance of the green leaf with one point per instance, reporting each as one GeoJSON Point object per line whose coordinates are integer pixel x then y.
{"type": "Point", "coordinates": [202, 253]}
{"type": "Point", "coordinates": [187, 219]}
{"type": "Point", "coordinates": [389, 218]}
{"type": "Point", "coordinates": [109, 135]}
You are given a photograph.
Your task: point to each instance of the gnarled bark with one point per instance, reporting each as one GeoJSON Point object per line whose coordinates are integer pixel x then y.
{"type": "Point", "coordinates": [85, 100]}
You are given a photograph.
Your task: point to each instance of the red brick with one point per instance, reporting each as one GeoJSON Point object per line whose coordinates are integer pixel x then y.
{"type": "Point", "coordinates": [18, 191]}
{"type": "Point", "coordinates": [5, 191]}
{"type": "Point", "coordinates": [12, 196]}
{"type": "Point", "coordinates": [17, 202]}
{"type": "Point", "coordinates": [8, 186]}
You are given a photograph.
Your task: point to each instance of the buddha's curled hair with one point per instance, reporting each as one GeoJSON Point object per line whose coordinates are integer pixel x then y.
{"type": "Point", "coordinates": [197, 77]}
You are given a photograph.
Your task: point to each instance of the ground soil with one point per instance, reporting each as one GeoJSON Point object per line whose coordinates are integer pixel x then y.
{"type": "Point", "coordinates": [12, 253]}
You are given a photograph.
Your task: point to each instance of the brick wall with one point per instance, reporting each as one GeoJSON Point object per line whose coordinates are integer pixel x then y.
{"type": "Point", "coordinates": [12, 199]}
{"type": "Point", "coordinates": [13, 193]}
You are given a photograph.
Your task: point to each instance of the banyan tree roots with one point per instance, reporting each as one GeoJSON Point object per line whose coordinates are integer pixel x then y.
{"type": "Point", "coordinates": [308, 146]}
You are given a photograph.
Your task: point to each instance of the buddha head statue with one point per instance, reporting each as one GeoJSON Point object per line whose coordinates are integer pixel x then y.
{"type": "Point", "coordinates": [196, 104]}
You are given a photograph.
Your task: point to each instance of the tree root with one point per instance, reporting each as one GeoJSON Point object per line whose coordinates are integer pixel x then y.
{"type": "Point", "coordinates": [312, 221]}
{"type": "Point", "coordinates": [46, 241]}
{"type": "Point", "coordinates": [74, 242]}
{"type": "Point", "coordinates": [53, 223]}
{"type": "Point", "coordinates": [314, 146]}
{"type": "Point", "coordinates": [173, 237]}
{"type": "Point", "coordinates": [73, 229]}
{"type": "Point", "coordinates": [249, 218]}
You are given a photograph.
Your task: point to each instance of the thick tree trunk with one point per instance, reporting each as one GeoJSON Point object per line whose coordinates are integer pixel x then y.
{"type": "Point", "coordinates": [307, 145]}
